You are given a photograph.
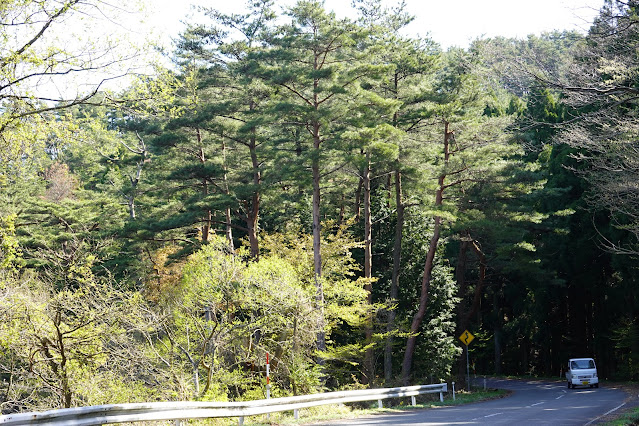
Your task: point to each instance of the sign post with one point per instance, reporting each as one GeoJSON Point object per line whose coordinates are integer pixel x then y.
{"type": "Point", "coordinates": [268, 381]}
{"type": "Point", "coordinates": [466, 338]}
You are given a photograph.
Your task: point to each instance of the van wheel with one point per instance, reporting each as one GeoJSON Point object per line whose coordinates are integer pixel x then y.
{"type": "Point", "coordinates": [596, 385]}
{"type": "Point", "coordinates": [569, 385]}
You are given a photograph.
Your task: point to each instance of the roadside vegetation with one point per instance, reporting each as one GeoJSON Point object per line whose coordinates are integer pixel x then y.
{"type": "Point", "coordinates": [629, 418]}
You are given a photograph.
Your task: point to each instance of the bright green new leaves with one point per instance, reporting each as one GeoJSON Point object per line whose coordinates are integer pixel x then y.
{"type": "Point", "coordinates": [44, 45]}
{"type": "Point", "coordinates": [230, 312]}
{"type": "Point", "coordinates": [345, 297]}
{"type": "Point", "coordinates": [9, 247]}
{"type": "Point", "coordinates": [64, 348]}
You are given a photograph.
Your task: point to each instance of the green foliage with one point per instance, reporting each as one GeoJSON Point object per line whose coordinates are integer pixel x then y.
{"type": "Point", "coordinates": [229, 313]}
{"type": "Point", "coordinates": [625, 337]}
{"type": "Point", "coordinates": [345, 307]}
{"type": "Point", "coordinates": [262, 119]}
{"type": "Point", "coordinates": [436, 356]}
{"type": "Point", "coordinates": [67, 239]}
{"type": "Point", "coordinates": [344, 293]}
{"type": "Point", "coordinates": [9, 247]}
{"type": "Point", "coordinates": [70, 347]}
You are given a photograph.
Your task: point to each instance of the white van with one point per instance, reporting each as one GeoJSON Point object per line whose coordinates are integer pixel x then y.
{"type": "Point", "coordinates": [582, 372]}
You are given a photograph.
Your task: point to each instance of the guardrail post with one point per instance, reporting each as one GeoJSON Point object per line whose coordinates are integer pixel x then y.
{"type": "Point", "coordinates": [240, 420]}
{"type": "Point", "coordinates": [296, 414]}
{"type": "Point", "coordinates": [484, 382]}
{"type": "Point", "coordinates": [413, 401]}
{"type": "Point", "coordinates": [453, 391]}
{"type": "Point", "coordinates": [379, 404]}
{"type": "Point", "coordinates": [177, 422]}
{"type": "Point", "coordinates": [441, 396]}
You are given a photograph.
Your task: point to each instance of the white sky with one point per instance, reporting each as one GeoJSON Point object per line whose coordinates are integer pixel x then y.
{"type": "Point", "coordinates": [449, 23]}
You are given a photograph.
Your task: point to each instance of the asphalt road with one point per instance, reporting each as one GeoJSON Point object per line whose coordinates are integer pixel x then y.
{"type": "Point", "coordinates": [531, 403]}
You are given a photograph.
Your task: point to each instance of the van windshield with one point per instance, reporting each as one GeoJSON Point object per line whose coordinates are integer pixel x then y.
{"type": "Point", "coordinates": [582, 364]}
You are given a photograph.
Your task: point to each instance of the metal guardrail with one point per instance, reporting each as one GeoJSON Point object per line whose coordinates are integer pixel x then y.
{"type": "Point", "coordinates": [182, 410]}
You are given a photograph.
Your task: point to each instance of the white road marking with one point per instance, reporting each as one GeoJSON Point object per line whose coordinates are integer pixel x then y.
{"type": "Point", "coordinates": [539, 403]}
{"type": "Point", "coordinates": [484, 417]}
{"type": "Point", "coordinates": [560, 396]}
{"type": "Point", "coordinates": [605, 414]}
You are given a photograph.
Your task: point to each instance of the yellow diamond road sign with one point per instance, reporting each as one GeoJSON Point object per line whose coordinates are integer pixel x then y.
{"type": "Point", "coordinates": [466, 337]}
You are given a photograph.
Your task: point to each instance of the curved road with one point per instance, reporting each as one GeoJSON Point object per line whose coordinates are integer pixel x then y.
{"type": "Point", "coordinates": [531, 403]}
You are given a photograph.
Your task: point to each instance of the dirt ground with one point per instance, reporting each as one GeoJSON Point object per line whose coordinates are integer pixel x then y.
{"type": "Point", "coordinates": [631, 401]}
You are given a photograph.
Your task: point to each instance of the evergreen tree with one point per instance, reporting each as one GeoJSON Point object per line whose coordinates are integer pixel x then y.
{"type": "Point", "coordinates": [316, 63]}
{"type": "Point", "coordinates": [473, 148]}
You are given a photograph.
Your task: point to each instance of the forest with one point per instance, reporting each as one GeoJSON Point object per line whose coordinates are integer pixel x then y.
{"type": "Point", "coordinates": [329, 191]}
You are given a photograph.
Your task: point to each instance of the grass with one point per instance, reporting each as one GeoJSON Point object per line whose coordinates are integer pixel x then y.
{"type": "Point", "coordinates": [628, 418]}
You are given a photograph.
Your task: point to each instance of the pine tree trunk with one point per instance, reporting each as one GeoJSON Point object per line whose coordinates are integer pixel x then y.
{"type": "Point", "coordinates": [317, 230]}
{"type": "Point", "coordinates": [134, 184]}
{"type": "Point", "coordinates": [368, 270]}
{"type": "Point", "coordinates": [135, 181]}
{"type": "Point", "coordinates": [208, 216]}
{"type": "Point", "coordinates": [394, 290]}
{"type": "Point", "coordinates": [253, 211]}
{"type": "Point", "coordinates": [357, 209]}
{"type": "Point", "coordinates": [397, 252]}
{"type": "Point", "coordinates": [228, 231]}
{"type": "Point", "coordinates": [418, 318]}
{"type": "Point", "coordinates": [317, 256]}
